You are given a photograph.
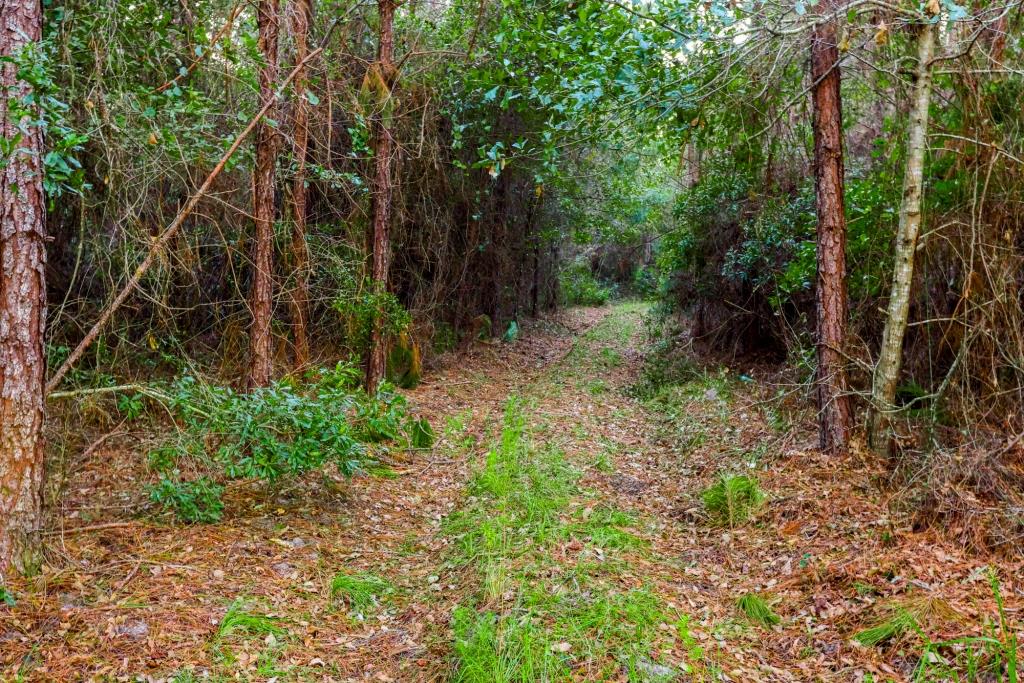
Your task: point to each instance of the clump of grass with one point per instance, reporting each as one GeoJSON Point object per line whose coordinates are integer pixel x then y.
{"type": "Point", "coordinates": [359, 591]}
{"type": "Point", "coordinates": [757, 610]}
{"type": "Point", "coordinates": [994, 655]}
{"type": "Point", "coordinates": [604, 528]}
{"type": "Point", "coordinates": [906, 617]}
{"type": "Point", "coordinates": [733, 499]}
{"type": "Point", "coordinates": [895, 626]}
{"type": "Point", "coordinates": [238, 620]}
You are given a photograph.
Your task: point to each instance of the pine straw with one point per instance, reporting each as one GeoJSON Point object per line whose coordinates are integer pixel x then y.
{"type": "Point", "coordinates": [126, 596]}
{"type": "Point", "coordinates": [974, 494]}
{"type": "Point", "coordinates": [825, 546]}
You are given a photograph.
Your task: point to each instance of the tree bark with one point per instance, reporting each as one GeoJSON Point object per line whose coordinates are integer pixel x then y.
{"type": "Point", "coordinates": [302, 11]}
{"type": "Point", "coordinates": [261, 302]}
{"type": "Point", "coordinates": [834, 421]}
{"type": "Point", "coordinates": [22, 302]}
{"type": "Point", "coordinates": [383, 189]}
{"type": "Point", "coordinates": [887, 370]}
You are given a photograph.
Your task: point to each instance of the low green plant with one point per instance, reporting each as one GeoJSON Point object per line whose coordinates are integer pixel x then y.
{"type": "Point", "coordinates": [604, 528]}
{"type": "Point", "coordinates": [756, 609]}
{"type": "Point", "coordinates": [197, 501]}
{"type": "Point", "coordinates": [359, 591]}
{"type": "Point", "coordinates": [733, 499]}
{"type": "Point", "coordinates": [421, 434]}
{"type": "Point", "coordinates": [906, 616]}
{"type": "Point", "coordinates": [995, 655]}
{"type": "Point", "coordinates": [237, 619]}
{"type": "Point", "coordinates": [285, 429]}
{"type": "Point", "coordinates": [895, 626]}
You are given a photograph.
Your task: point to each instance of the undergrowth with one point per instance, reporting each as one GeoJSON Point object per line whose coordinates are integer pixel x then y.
{"type": "Point", "coordinates": [530, 621]}
{"type": "Point", "coordinates": [282, 430]}
{"type": "Point", "coordinates": [992, 656]}
{"type": "Point", "coordinates": [733, 499]}
{"type": "Point", "coordinates": [756, 609]}
{"type": "Point", "coordinates": [359, 591]}
{"type": "Point", "coordinates": [579, 286]}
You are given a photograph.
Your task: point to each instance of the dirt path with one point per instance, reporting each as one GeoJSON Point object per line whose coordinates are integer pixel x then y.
{"type": "Point", "coordinates": [555, 533]}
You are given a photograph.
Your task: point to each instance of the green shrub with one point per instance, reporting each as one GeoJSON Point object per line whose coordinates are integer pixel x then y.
{"type": "Point", "coordinates": [645, 282]}
{"type": "Point", "coordinates": [285, 429]}
{"type": "Point", "coordinates": [580, 288]}
{"type": "Point", "coordinates": [733, 499]}
{"type": "Point", "coordinates": [445, 337]}
{"type": "Point", "coordinates": [421, 434]}
{"type": "Point", "coordinates": [361, 310]}
{"type": "Point", "coordinates": [197, 501]}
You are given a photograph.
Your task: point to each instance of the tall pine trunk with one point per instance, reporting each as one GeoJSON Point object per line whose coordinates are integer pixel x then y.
{"type": "Point", "coordinates": [263, 203]}
{"type": "Point", "coordinates": [302, 11]}
{"type": "Point", "coordinates": [22, 300]}
{"type": "Point", "coordinates": [834, 418]}
{"type": "Point", "coordinates": [887, 370]}
{"type": "Point", "coordinates": [383, 188]}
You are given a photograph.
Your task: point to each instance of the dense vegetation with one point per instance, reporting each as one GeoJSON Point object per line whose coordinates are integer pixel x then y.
{"type": "Point", "coordinates": [245, 228]}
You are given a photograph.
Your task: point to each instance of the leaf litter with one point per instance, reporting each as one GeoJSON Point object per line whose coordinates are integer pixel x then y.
{"type": "Point", "coordinates": [127, 598]}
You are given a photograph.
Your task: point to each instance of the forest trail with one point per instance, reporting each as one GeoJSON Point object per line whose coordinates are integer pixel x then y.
{"type": "Point", "coordinates": [555, 532]}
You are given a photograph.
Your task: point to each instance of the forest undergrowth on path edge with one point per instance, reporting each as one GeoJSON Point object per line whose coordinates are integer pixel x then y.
{"type": "Point", "coordinates": [574, 522]}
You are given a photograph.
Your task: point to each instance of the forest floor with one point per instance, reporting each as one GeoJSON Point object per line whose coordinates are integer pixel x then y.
{"type": "Point", "coordinates": [556, 531]}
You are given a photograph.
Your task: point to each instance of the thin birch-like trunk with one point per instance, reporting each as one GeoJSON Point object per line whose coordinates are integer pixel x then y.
{"type": "Point", "coordinates": [887, 370]}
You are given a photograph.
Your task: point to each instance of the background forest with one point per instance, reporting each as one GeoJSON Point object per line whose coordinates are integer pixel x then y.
{"type": "Point", "coordinates": [541, 154]}
{"type": "Point", "coordinates": [265, 218]}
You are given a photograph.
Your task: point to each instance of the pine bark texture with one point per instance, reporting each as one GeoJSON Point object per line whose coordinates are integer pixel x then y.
{"type": "Point", "coordinates": [383, 187]}
{"type": "Point", "coordinates": [887, 370]}
{"type": "Point", "coordinates": [263, 203]}
{"type": "Point", "coordinates": [22, 302]}
{"type": "Point", "coordinates": [834, 417]}
{"type": "Point", "coordinates": [302, 11]}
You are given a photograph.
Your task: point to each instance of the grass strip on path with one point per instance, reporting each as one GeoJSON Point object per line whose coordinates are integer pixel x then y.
{"type": "Point", "coordinates": [550, 602]}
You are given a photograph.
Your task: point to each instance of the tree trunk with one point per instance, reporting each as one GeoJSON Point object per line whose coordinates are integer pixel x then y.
{"type": "Point", "coordinates": [301, 16]}
{"type": "Point", "coordinates": [887, 370]}
{"type": "Point", "coordinates": [691, 159]}
{"type": "Point", "coordinates": [263, 203]}
{"type": "Point", "coordinates": [383, 189]}
{"type": "Point", "coordinates": [22, 302]}
{"type": "Point", "coordinates": [831, 304]}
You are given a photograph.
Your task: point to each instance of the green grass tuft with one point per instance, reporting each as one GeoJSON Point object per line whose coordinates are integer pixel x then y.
{"type": "Point", "coordinates": [733, 499]}
{"type": "Point", "coordinates": [238, 620]}
{"type": "Point", "coordinates": [756, 608]}
{"type": "Point", "coordinates": [359, 591]}
{"type": "Point", "coordinates": [895, 626]}
{"type": "Point", "coordinates": [604, 528]}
